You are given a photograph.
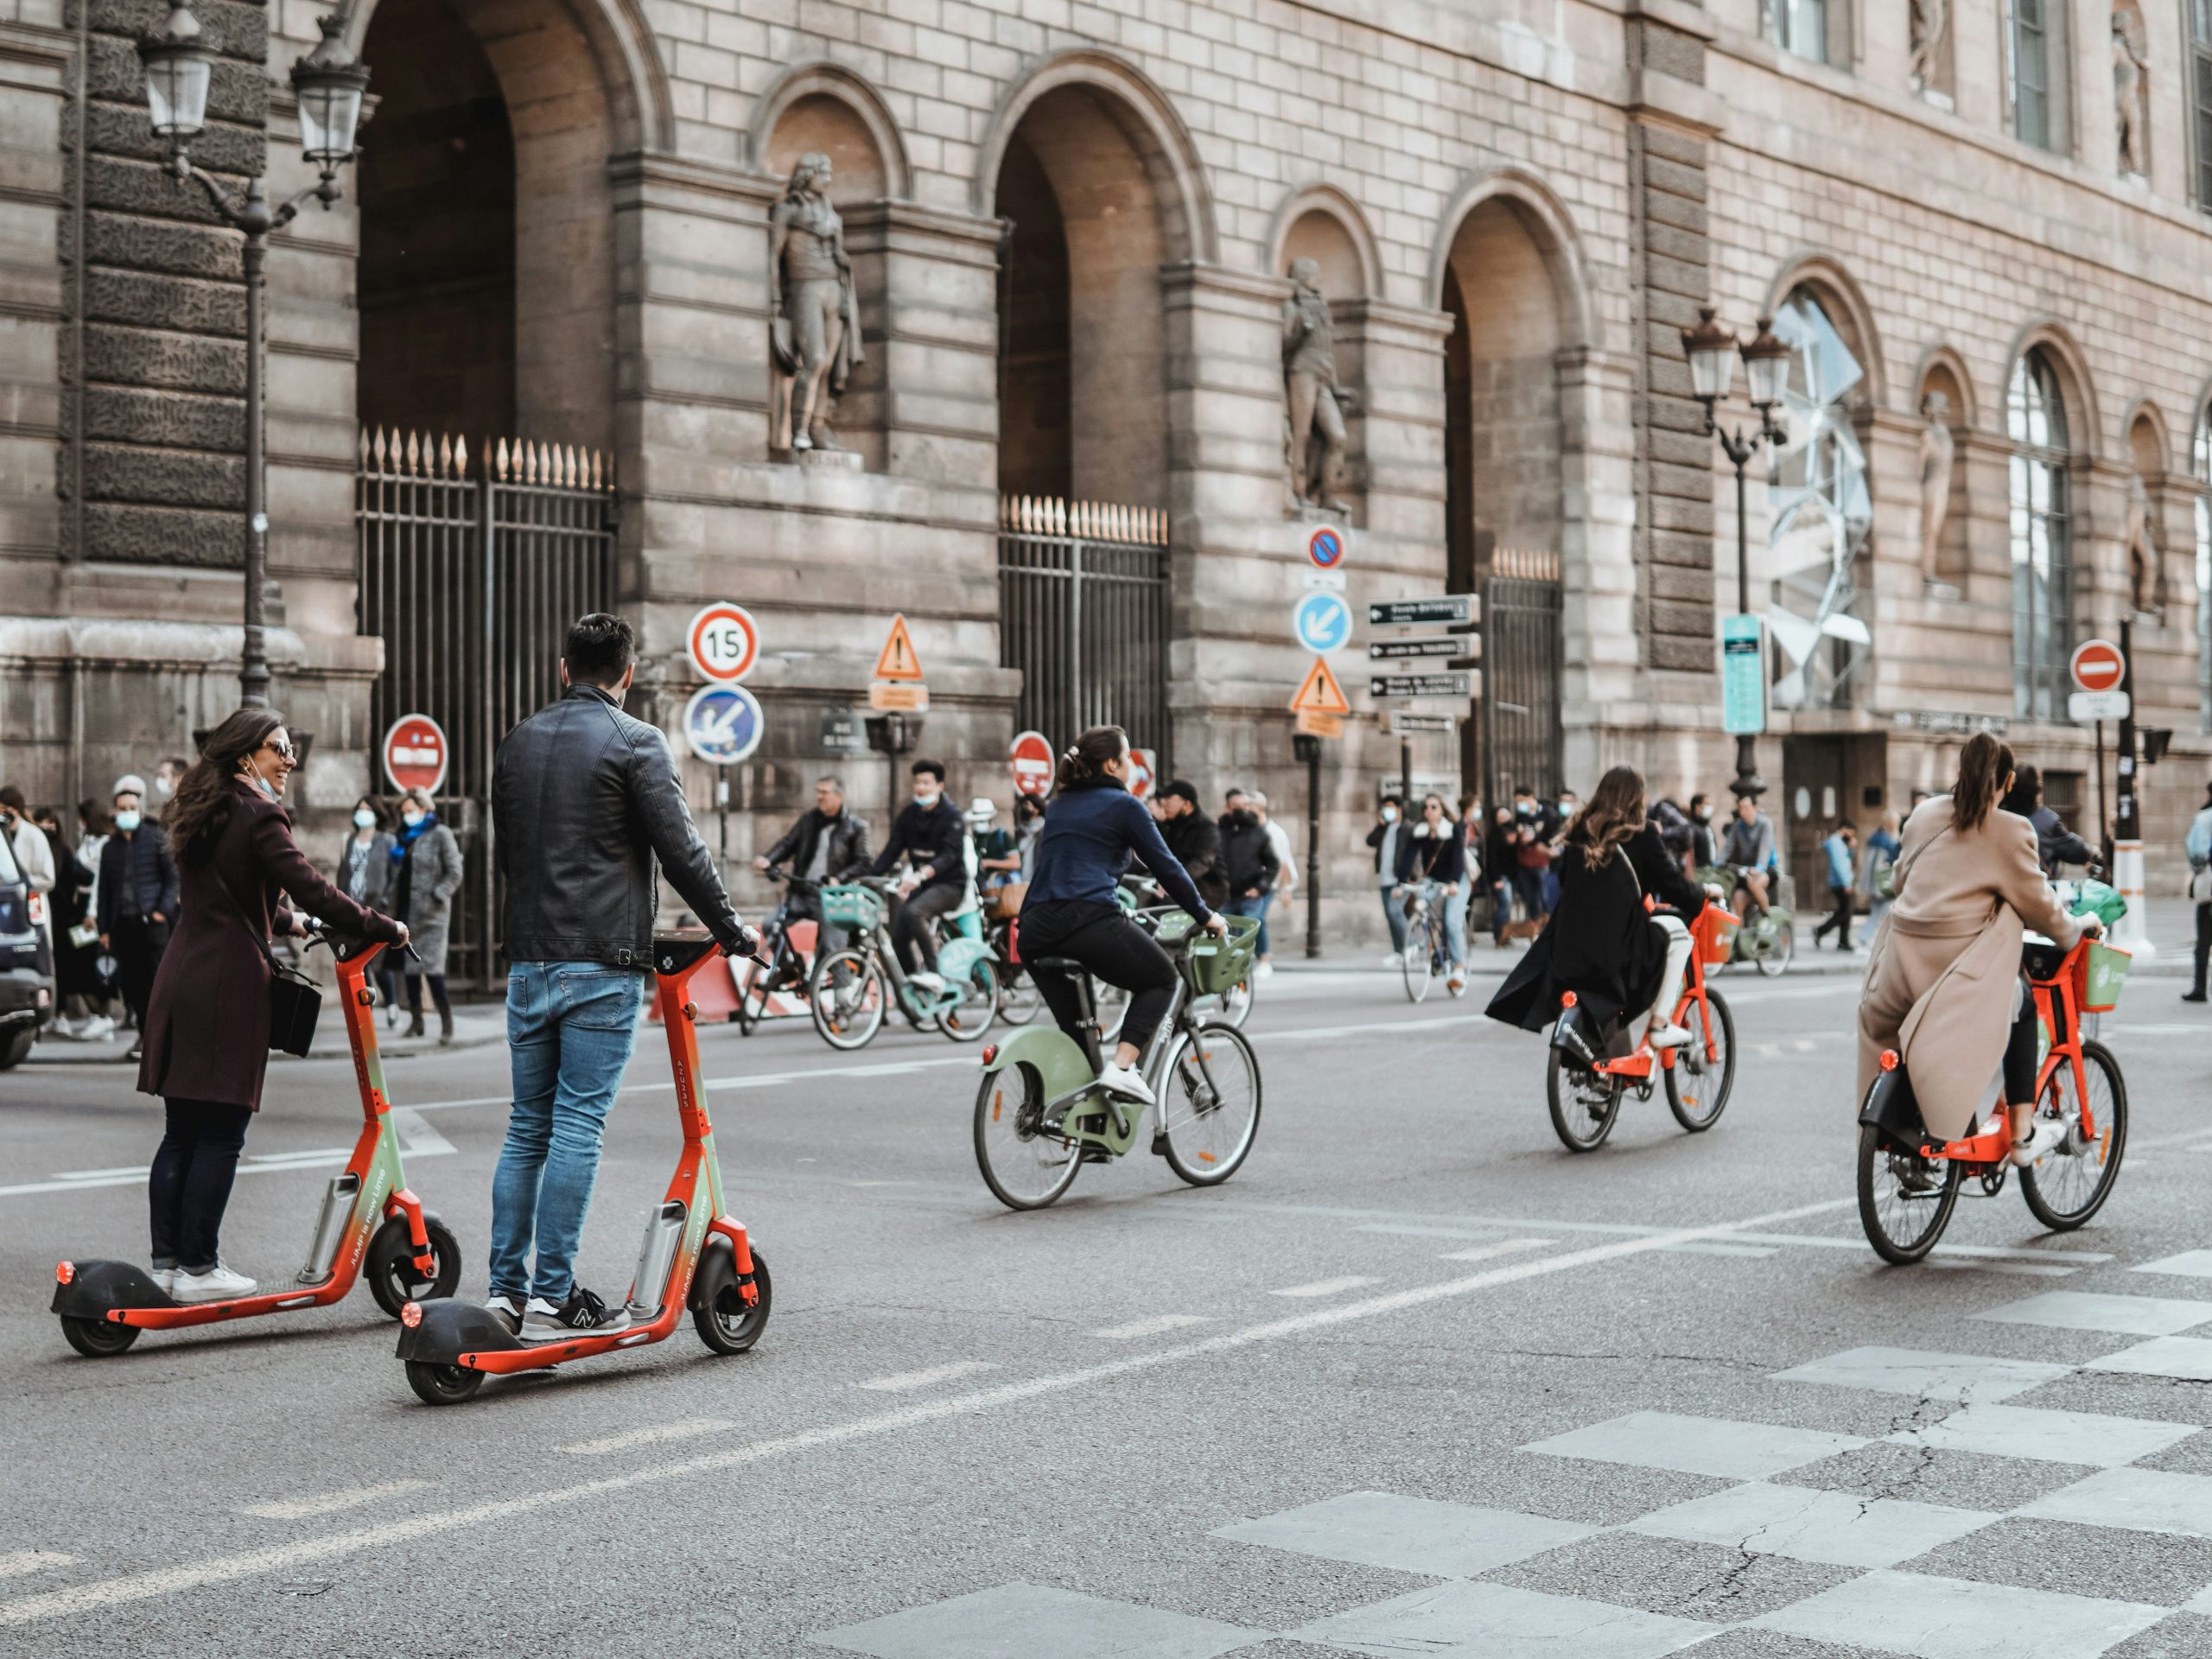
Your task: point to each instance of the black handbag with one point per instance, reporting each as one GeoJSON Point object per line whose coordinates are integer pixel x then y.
{"type": "Point", "coordinates": [294, 1000]}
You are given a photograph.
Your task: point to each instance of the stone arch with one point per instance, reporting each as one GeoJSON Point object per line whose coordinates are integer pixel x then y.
{"type": "Point", "coordinates": [826, 107]}
{"type": "Point", "coordinates": [2085, 430]}
{"type": "Point", "coordinates": [2148, 440]}
{"type": "Point", "coordinates": [1148, 123]}
{"type": "Point", "coordinates": [1320, 221]}
{"type": "Point", "coordinates": [1942, 369]}
{"type": "Point", "coordinates": [1840, 296]}
{"type": "Point", "coordinates": [1549, 225]}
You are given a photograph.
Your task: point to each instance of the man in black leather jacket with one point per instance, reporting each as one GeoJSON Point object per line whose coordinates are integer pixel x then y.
{"type": "Point", "coordinates": [583, 800]}
{"type": "Point", "coordinates": [827, 844]}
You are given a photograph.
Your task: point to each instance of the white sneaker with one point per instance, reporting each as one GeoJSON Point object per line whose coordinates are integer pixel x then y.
{"type": "Point", "coordinates": [164, 1280]}
{"type": "Point", "coordinates": [96, 1029]}
{"type": "Point", "coordinates": [1263, 970]}
{"type": "Point", "coordinates": [1396, 959]}
{"type": "Point", "coordinates": [927, 984]}
{"type": "Point", "coordinates": [1120, 1080]}
{"type": "Point", "coordinates": [2047, 1134]}
{"type": "Point", "coordinates": [218, 1284]}
{"type": "Point", "coordinates": [1669, 1036]}
{"type": "Point", "coordinates": [1457, 983]}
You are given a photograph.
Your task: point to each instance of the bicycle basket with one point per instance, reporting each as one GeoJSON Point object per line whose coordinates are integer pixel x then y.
{"type": "Point", "coordinates": [2104, 971]}
{"type": "Point", "coordinates": [854, 906]}
{"type": "Point", "coordinates": [1217, 965]}
{"type": "Point", "coordinates": [1720, 936]}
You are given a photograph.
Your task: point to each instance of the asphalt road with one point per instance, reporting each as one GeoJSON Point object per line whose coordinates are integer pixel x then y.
{"type": "Point", "coordinates": [1292, 1416]}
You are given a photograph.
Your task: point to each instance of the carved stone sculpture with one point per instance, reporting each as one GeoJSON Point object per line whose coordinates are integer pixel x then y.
{"type": "Point", "coordinates": [2131, 74]}
{"type": "Point", "coordinates": [1930, 18]}
{"type": "Point", "coordinates": [2145, 569]}
{"type": "Point", "coordinates": [814, 333]}
{"type": "Point", "coordinates": [1936, 452]}
{"type": "Point", "coordinates": [1309, 374]}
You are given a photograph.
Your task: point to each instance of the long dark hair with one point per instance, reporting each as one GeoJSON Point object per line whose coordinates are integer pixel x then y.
{"type": "Point", "coordinates": [1087, 756]}
{"type": "Point", "coordinates": [1984, 765]}
{"type": "Point", "coordinates": [1612, 814]}
{"type": "Point", "coordinates": [2026, 793]}
{"type": "Point", "coordinates": [202, 807]}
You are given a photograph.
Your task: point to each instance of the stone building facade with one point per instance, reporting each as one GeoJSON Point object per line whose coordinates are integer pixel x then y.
{"type": "Point", "coordinates": [1068, 228]}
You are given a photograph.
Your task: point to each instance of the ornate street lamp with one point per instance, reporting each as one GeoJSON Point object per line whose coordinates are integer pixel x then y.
{"type": "Point", "coordinates": [1712, 349]}
{"type": "Point", "coordinates": [329, 85]}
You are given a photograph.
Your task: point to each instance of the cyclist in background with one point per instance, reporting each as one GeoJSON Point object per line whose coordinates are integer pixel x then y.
{"type": "Point", "coordinates": [1748, 848]}
{"type": "Point", "coordinates": [827, 844]}
{"type": "Point", "coordinates": [1434, 852]}
{"type": "Point", "coordinates": [1094, 828]}
{"type": "Point", "coordinates": [929, 834]}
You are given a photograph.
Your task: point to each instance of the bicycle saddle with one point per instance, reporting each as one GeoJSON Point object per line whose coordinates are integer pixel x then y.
{"type": "Point", "coordinates": [1061, 964]}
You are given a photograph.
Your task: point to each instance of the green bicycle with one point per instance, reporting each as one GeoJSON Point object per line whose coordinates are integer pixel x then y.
{"type": "Point", "coordinates": [848, 991]}
{"type": "Point", "coordinates": [1040, 1114]}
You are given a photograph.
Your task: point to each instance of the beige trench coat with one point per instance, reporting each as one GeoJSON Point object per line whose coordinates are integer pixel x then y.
{"type": "Point", "coordinates": [1940, 983]}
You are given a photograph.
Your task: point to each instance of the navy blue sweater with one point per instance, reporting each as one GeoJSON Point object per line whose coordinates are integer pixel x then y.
{"type": "Point", "coordinates": [1091, 830]}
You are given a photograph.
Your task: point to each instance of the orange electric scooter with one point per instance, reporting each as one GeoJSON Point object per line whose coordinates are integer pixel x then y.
{"type": "Point", "coordinates": [695, 1255]}
{"type": "Point", "coordinates": [371, 1225]}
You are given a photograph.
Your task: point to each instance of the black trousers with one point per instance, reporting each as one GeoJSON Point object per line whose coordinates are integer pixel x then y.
{"type": "Point", "coordinates": [914, 931]}
{"type": "Point", "coordinates": [1114, 949]}
{"type": "Point", "coordinates": [138, 947]}
{"type": "Point", "coordinates": [2020, 1051]}
{"type": "Point", "coordinates": [2203, 946]}
{"type": "Point", "coordinates": [190, 1186]}
{"type": "Point", "coordinates": [437, 992]}
{"type": "Point", "coordinates": [1839, 918]}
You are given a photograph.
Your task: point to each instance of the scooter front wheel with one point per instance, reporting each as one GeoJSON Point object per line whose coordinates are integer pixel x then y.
{"type": "Point", "coordinates": [395, 1281]}
{"type": "Point", "coordinates": [729, 1327]}
{"type": "Point", "coordinates": [443, 1385]}
{"type": "Point", "coordinates": [98, 1339]}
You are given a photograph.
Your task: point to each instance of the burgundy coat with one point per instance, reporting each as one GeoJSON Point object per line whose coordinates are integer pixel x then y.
{"type": "Point", "coordinates": [207, 1035]}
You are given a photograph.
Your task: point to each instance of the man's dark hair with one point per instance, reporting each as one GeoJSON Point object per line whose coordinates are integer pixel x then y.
{"type": "Point", "coordinates": [1845, 827]}
{"type": "Point", "coordinates": [12, 798]}
{"type": "Point", "coordinates": [935, 768]}
{"type": "Point", "coordinates": [1181, 791]}
{"type": "Point", "coordinates": [600, 650]}
{"type": "Point", "coordinates": [1393, 799]}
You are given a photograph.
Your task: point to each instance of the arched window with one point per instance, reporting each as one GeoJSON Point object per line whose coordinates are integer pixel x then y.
{"type": "Point", "coordinates": [2200, 465]}
{"type": "Point", "coordinates": [2042, 611]}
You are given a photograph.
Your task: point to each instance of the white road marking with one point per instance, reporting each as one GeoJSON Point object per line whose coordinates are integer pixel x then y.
{"type": "Point", "coordinates": [907, 1381]}
{"type": "Point", "coordinates": [1959, 1262]}
{"type": "Point", "coordinates": [653, 1436]}
{"type": "Point", "coordinates": [1151, 1327]}
{"type": "Point", "coordinates": [1496, 1248]}
{"type": "Point", "coordinates": [253, 1563]}
{"type": "Point", "coordinates": [353, 1497]}
{"type": "Point", "coordinates": [16, 1564]}
{"type": "Point", "coordinates": [1336, 1286]}
{"type": "Point", "coordinates": [417, 1139]}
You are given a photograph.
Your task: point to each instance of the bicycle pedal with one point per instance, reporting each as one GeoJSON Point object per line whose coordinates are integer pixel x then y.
{"type": "Point", "coordinates": [1160, 1145]}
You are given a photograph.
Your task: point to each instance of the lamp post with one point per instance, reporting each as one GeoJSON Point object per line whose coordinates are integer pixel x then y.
{"type": "Point", "coordinates": [329, 85]}
{"type": "Point", "coordinates": [1712, 351]}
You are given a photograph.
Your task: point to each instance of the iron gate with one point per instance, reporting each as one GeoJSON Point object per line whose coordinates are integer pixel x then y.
{"type": "Point", "coordinates": [1522, 741]}
{"type": "Point", "coordinates": [472, 582]}
{"type": "Point", "coordinates": [1083, 613]}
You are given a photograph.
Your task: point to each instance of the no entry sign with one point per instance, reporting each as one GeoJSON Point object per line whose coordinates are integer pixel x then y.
{"type": "Point", "coordinates": [2098, 665]}
{"type": "Point", "coordinates": [725, 642]}
{"type": "Point", "coordinates": [1144, 771]}
{"type": "Point", "coordinates": [415, 754]}
{"type": "Point", "coordinates": [1032, 764]}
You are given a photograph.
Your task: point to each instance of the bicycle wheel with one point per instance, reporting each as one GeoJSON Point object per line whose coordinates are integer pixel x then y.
{"type": "Point", "coordinates": [971, 1016]}
{"type": "Point", "coordinates": [1904, 1201]}
{"type": "Point", "coordinates": [1209, 1096]}
{"type": "Point", "coordinates": [1584, 1105]}
{"type": "Point", "coordinates": [1785, 946]}
{"type": "Point", "coordinates": [846, 996]}
{"type": "Point", "coordinates": [1024, 1164]}
{"type": "Point", "coordinates": [1019, 998]}
{"type": "Point", "coordinates": [1698, 1082]}
{"type": "Point", "coordinates": [1419, 963]}
{"type": "Point", "coordinates": [2070, 1183]}
{"type": "Point", "coordinates": [753, 1000]}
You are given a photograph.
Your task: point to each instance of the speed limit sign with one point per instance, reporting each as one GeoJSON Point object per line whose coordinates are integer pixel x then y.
{"type": "Point", "coordinates": [725, 642]}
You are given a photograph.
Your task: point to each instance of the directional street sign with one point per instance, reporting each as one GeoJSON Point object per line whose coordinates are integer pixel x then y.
{"type": "Point", "coordinates": [415, 754]}
{"type": "Point", "coordinates": [2098, 666]}
{"type": "Point", "coordinates": [2098, 705]}
{"type": "Point", "coordinates": [1447, 608]}
{"type": "Point", "coordinates": [1404, 722]}
{"type": "Point", "coordinates": [899, 660]}
{"type": "Point", "coordinates": [1326, 546]}
{"type": "Point", "coordinates": [1392, 650]}
{"type": "Point", "coordinates": [722, 723]}
{"type": "Point", "coordinates": [1032, 764]}
{"type": "Point", "coordinates": [725, 642]}
{"type": "Point", "coordinates": [1420, 685]}
{"type": "Point", "coordinates": [1322, 622]}
{"type": "Point", "coordinates": [1318, 692]}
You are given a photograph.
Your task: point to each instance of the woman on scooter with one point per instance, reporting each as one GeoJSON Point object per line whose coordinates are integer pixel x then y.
{"type": "Point", "coordinates": [1093, 827]}
{"type": "Point", "coordinates": [1945, 963]}
{"type": "Point", "coordinates": [1617, 958]}
{"type": "Point", "coordinates": [206, 1036]}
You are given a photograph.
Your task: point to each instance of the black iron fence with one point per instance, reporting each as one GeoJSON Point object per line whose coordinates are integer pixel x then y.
{"type": "Point", "coordinates": [1084, 614]}
{"type": "Point", "coordinates": [472, 582]}
{"type": "Point", "coordinates": [1520, 727]}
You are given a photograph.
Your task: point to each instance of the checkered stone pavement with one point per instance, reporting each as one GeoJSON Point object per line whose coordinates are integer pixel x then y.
{"type": "Point", "coordinates": [2001, 1522]}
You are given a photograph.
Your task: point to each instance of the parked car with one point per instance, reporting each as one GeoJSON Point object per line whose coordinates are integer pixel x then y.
{"type": "Point", "coordinates": [26, 964]}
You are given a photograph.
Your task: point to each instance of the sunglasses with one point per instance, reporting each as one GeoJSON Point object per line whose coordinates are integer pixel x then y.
{"type": "Point", "coordinates": [283, 749]}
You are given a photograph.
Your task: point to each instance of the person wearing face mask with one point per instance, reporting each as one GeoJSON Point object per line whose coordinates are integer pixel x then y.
{"type": "Point", "coordinates": [427, 870]}
{"type": "Point", "coordinates": [366, 871]}
{"type": "Point", "coordinates": [932, 838]}
{"type": "Point", "coordinates": [1704, 854]}
{"type": "Point", "coordinates": [1500, 841]}
{"type": "Point", "coordinates": [1383, 836]}
{"type": "Point", "coordinates": [137, 900]}
{"type": "Point", "coordinates": [1247, 859]}
{"type": "Point", "coordinates": [206, 1031]}
{"type": "Point", "coordinates": [1433, 855]}
{"type": "Point", "coordinates": [168, 774]}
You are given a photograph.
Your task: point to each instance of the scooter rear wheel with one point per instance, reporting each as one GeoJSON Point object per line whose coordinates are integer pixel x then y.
{"type": "Point", "coordinates": [98, 1339]}
{"type": "Point", "coordinates": [729, 1327]}
{"type": "Point", "coordinates": [395, 1281]}
{"type": "Point", "coordinates": [443, 1385]}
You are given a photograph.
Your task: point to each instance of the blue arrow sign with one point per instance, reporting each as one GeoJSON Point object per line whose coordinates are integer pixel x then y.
{"type": "Point", "coordinates": [1322, 622]}
{"type": "Point", "coordinates": [722, 723]}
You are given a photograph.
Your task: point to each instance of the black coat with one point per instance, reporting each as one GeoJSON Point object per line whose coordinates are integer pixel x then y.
{"type": "Point", "coordinates": [1433, 858]}
{"type": "Point", "coordinates": [849, 852]}
{"type": "Point", "coordinates": [1601, 944]}
{"type": "Point", "coordinates": [1248, 858]}
{"type": "Point", "coordinates": [1196, 843]}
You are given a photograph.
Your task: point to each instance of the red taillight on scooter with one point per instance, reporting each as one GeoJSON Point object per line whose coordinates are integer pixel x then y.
{"type": "Point", "coordinates": [65, 1272]}
{"type": "Point", "coordinates": [1889, 1059]}
{"type": "Point", "coordinates": [991, 1054]}
{"type": "Point", "coordinates": [412, 1315]}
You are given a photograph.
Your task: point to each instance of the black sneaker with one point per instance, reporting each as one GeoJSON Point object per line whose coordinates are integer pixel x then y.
{"type": "Point", "coordinates": [582, 1315]}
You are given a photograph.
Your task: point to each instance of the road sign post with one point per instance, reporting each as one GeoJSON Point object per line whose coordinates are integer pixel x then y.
{"type": "Point", "coordinates": [2131, 931]}
{"type": "Point", "coordinates": [416, 754]}
{"type": "Point", "coordinates": [1307, 746]}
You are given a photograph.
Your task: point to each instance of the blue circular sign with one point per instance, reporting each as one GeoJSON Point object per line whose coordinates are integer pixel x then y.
{"type": "Point", "coordinates": [1322, 622]}
{"type": "Point", "coordinates": [722, 723]}
{"type": "Point", "coordinates": [1326, 547]}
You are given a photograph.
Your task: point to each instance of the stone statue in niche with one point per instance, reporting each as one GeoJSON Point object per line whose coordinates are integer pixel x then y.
{"type": "Point", "coordinates": [2130, 75]}
{"type": "Point", "coordinates": [814, 333]}
{"type": "Point", "coordinates": [2146, 571]}
{"type": "Point", "coordinates": [1309, 376]}
{"type": "Point", "coordinates": [1936, 454]}
{"type": "Point", "coordinates": [1929, 19]}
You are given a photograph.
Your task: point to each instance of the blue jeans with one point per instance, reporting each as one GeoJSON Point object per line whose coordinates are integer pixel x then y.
{"type": "Point", "coordinates": [1453, 907]}
{"type": "Point", "coordinates": [1394, 912]}
{"type": "Point", "coordinates": [1501, 910]}
{"type": "Point", "coordinates": [570, 1028]}
{"type": "Point", "coordinates": [1255, 905]}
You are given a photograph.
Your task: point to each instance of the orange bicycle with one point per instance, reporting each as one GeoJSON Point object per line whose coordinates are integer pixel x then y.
{"type": "Point", "coordinates": [1909, 1182]}
{"type": "Point", "coordinates": [1586, 1077]}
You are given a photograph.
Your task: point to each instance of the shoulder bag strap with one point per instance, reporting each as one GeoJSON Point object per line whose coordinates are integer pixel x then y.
{"type": "Point", "coordinates": [1905, 866]}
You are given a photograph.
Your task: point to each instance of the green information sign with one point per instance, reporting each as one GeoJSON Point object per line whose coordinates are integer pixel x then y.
{"type": "Point", "coordinates": [1743, 675]}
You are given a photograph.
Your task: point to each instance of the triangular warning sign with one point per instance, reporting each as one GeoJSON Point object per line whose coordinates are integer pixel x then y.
{"type": "Point", "coordinates": [1319, 694]}
{"type": "Point", "coordinates": [899, 660]}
